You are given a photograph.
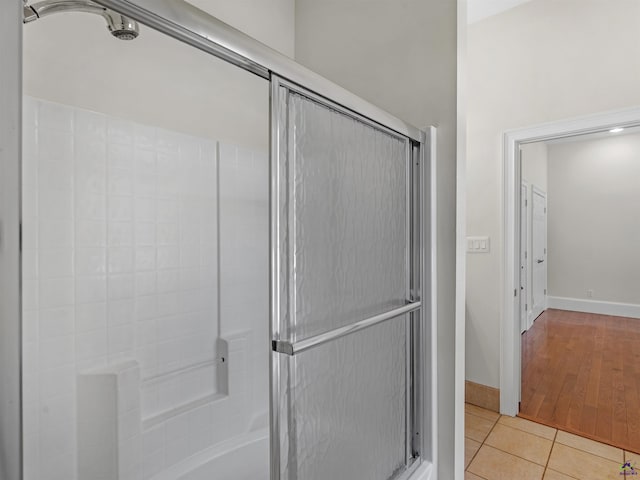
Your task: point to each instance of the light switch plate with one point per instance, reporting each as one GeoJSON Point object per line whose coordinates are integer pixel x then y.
{"type": "Point", "coordinates": [478, 245]}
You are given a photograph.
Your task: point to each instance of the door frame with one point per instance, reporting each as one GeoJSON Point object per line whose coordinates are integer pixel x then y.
{"type": "Point", "coordinates": [524, 289]}
{"type": "Point", "coordinates": [422, 262]}
{"type": "Point", "coordinates": [10, 261]}
{"type": "Point", "coordinates": [535, 190]}
{"type": "Point", "coordinates": [510, 348]}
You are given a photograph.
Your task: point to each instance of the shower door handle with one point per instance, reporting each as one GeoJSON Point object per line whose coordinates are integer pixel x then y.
{"type": "Point", "coordinates": [291, 348]}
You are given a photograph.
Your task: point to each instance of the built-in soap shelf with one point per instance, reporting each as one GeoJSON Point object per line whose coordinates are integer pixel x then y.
{"type": "Point", "coordinates": [163, 377]}
{"type": "Point", "coordinates": [177, 391]}
{"type": "Point", "coordinates": [112, 420]}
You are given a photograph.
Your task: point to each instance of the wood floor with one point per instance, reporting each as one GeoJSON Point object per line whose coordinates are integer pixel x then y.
{"type": "Point", "coordinates": [581, 374]}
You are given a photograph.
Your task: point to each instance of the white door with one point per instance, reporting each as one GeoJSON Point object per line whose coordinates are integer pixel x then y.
{"type": "Point", "coordinates": [538, 252]}
{"type": "Point", "coordinates": [524, 270]}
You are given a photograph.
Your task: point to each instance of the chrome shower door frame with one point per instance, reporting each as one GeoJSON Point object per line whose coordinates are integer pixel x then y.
{"type": "Point", "coordinates": [10, 258]}
{"type": "Point", "coordinates": [420, 426]}
{"type": "Point", "coordinates": [186, 23]}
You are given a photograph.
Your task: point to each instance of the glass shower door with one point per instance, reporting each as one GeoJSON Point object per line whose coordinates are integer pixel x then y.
{"type": "Point", "coordinates": [345, 293]}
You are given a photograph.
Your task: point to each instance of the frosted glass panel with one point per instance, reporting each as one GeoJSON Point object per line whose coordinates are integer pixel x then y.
{"type": "Point", "coordinates": [343, 403]}
{"type": "Point", "coordinates": [346, 216]}
{"type": "Point", "coordinates": [345, 408]}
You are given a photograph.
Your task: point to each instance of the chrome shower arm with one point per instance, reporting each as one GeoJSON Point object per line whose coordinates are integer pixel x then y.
{"type": "Point", "coordinates": [120, 26]}
{"type": "Point", "coordinates": [49, 7]}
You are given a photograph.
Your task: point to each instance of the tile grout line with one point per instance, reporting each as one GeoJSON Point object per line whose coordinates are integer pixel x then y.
{"type": "Point", "coordinates": [480, 416]}
{"type": "Point", "coordinates": [590, 453]}
{"type": "Point", "coordinates": [483, 418]}
{"type": "Point", "coordinates": [511, 453]}
{"type": "Point", "coordinates": [554, 441]}
{"type": "Point", "coordinates": [475, 455]}
{"type": "Point", "coordinates": [579, 450]}
{"type": "Point", "coordinates": [530, 433]}
{"type": "Point", "coordinates": [546, 466]}
{"type": "Point", "coordinates": [518, 456]}
{"type": "Point", "coordinates": [495, 422]}
{"type": "Point", "coordinates": [583, 436]}
{"type": "Point", "coordinates": [486, 419]}
{"type": "Point", "coordinates": [535, 423]}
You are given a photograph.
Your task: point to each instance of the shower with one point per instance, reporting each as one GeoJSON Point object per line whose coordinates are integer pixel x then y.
{"type": "Point", "coordinates": [179, 316]}
{"type": "Point", "coordinates": [121, 27]}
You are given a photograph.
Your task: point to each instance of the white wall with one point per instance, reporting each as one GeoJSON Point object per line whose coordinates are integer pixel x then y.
{"type": "Point", "coordinates": [479, 9]}
{"type": "Point", "coordinates": [401, 56]}
{"type": "Point", "coordinates": [271, 22]}
{"type": "Point", "coordinates": [541, 61]}
{"type": "Point", "coordinates": [71, 59]}
{"type": "Point", "coordinates": [593, 227]}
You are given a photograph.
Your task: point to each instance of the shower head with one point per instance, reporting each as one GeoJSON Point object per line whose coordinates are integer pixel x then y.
{"type": "Point", "coordinates": [121, 27]}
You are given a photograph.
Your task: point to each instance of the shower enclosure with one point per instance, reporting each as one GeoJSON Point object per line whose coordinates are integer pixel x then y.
{"type": "Point", "coordinates": [223, 259]}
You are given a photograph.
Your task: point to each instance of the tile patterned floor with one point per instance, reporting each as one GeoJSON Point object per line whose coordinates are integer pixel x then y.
{"type": "Point", "coordinates": [500, 448]}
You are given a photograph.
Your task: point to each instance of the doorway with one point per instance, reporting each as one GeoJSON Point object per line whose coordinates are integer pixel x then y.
{"type": "Point", "coordinates": [510, 359]}
{"type": "Point", "coordinates": [573, 377]}
{"type": "Point", "coordinates": [533, 232]}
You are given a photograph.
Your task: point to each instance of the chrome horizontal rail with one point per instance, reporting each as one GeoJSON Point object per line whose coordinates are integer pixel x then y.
{"type": "Point", "coordinates": [187, 23]}
{"type": "Point", "coordinates": [286, 347]}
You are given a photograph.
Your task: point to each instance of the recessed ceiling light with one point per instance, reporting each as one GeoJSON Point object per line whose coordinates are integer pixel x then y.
{"type": "Point", "coordinates": [616, 130]}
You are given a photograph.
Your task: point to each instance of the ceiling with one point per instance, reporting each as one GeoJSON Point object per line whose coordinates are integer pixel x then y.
{"type": "Point", "coordinates": [479, 9]}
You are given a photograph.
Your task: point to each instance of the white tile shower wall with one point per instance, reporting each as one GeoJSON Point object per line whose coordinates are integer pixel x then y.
{"type": "Point", "coordinates": [244, 247]}
{"type": "Point", "coordinates": [120, 262]}
{"type": "Point", "coordinates": [244, 322]}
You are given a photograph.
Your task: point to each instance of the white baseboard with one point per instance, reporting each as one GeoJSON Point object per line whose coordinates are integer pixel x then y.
{"type": "Point", "coordinates": [594, 306]}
